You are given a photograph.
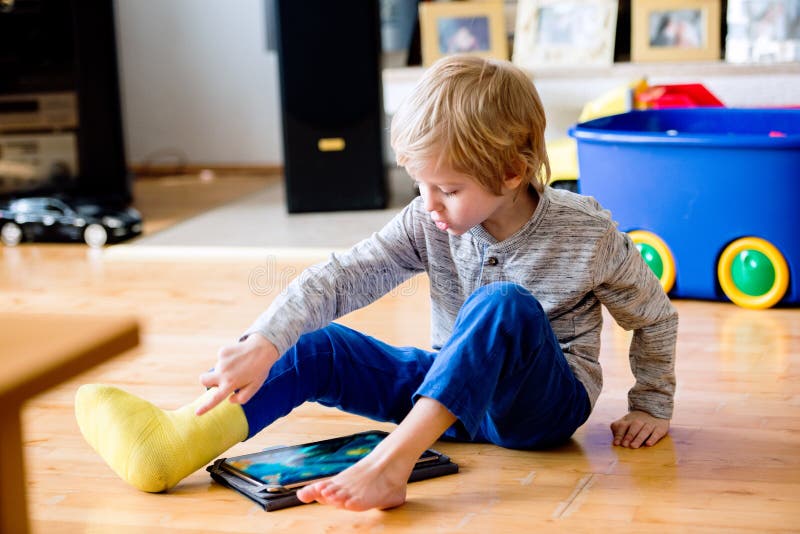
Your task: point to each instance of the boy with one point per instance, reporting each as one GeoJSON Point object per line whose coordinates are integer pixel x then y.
{"type": "Point", "coordinates": [518, 272]}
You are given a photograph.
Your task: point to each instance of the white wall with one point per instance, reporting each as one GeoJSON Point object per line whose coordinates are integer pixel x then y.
{"type": "Point", "coordinates": [198, 84]}
{"type": "Point", "coordinates": [564, 93]}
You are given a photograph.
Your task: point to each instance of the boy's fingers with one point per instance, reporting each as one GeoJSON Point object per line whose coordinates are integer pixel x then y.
{"type": "Point", "coordinates": [633, 431]}
{"type": "Point", "coordinates": [619, 430]}
{"type": "Point", "coordinates": [656, 436]}
{"type": "Point", "coordinates": [218, 396]}
{"type": "Point", "coordinates": [209, 379]}
{"type": "Point", "coordinates": [642, 435]}
{"type": "Point", "coordinates": [245, 394]}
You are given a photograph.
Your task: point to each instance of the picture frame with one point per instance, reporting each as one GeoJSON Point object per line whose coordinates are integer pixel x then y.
{"type": "Point", "coordinates": [762, 31]}
{"type": "Point", "coordinates": [564, 33]}
{"type": "Point", "coordinates": [675, 30]}
{"type": "Point", "coordinates": [475, 28]}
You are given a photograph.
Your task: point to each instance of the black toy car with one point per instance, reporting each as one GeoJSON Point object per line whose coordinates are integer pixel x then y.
{"type": "Point", "coordinates": [57, 219]}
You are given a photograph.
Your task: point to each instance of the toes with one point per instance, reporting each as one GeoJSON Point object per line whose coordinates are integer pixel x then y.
{"type": "Point", "coordinates": [320, 492]}
{"type": "Point", "coordinates": [325, 492]}
{"type": "Point", "coordinates": [308, 494]}
{"type": "Point", "coordinates": [335, 494]}
{"type": "Point", "coordinates": [330, 490]}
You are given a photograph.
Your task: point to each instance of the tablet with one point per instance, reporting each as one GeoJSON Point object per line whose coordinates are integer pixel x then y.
{"type": "Point", "coordinates": [283, 469]}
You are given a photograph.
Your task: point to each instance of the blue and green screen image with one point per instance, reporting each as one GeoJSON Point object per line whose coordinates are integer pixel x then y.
{"type": "Point", "coordinates": [290, 466]}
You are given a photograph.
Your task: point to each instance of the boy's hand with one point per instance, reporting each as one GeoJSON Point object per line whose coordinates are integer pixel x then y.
{"type": "Point", "coordinates": [637, 428]}
{"type": "Point", "coordinates": [242, 368]}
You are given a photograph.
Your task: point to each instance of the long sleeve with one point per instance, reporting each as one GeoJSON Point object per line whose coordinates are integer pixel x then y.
{"type": "Point", "coordinates": [346, 282]}
{"type": "Point", "coordinates": [635, 299]}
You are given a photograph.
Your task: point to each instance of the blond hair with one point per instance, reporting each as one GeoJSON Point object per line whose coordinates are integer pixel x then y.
{"type": "Point", "coordinates": [481, 117]}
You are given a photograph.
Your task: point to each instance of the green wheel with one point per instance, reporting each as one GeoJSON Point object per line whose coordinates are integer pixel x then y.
{"type": "Point", "coordinates": [657, 256]}
{"type": "Point", "coordinates": [753, 273]}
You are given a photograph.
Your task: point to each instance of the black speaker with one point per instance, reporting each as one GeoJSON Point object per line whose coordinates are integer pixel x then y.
{"type": "Point", "coordinates": [332, 104]}
{"type": "Point", "coordinates": [60, 113]}
{"type": "Point", "coordinates": [101, 146]}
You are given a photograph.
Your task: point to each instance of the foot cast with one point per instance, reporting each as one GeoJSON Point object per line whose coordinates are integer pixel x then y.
{"type": "Point", "coordinates": [154, 449]}
{"type": "Point", "coordinates": [150, 448]}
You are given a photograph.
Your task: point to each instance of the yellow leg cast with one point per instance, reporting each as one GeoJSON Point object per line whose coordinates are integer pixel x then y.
{"type": "Point", "coordinates": [150, 448]}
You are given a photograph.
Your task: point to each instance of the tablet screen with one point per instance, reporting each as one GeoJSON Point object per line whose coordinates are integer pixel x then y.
{"type": "Point", "coordinates": [292, 466]}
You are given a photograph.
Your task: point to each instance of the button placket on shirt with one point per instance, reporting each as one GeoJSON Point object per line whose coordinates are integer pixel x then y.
{"type": "Point", "coordinates": [491, 270]}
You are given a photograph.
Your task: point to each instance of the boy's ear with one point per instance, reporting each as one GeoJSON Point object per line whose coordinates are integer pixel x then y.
{"type": "Point", "coordinates": [512, 181]}
{"type": "Point", "coordinates": [513, 177]}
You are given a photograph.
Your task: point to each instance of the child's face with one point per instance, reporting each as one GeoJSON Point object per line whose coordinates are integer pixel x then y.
{"type": "Point", "coordinates": [456, 201]}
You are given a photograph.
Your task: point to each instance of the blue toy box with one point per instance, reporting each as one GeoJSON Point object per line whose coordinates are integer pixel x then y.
{"type": "Point", "coordinates": [711, 197]}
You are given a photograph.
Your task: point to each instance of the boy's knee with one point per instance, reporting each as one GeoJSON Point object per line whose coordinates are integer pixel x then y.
{"type": "Point", "coordinates": [501, 290]}
{"type": "Point", "coordinates": [505, 298]}
{"type": "Point", "coordinates": [321, 340]}
{"type": "Point", "coordinates": [313, 350]}
{"type": "Point", "coordinates": [313, 340]}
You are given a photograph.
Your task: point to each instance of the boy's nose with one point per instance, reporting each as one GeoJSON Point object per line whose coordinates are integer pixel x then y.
{"type": "Point", "coordinates": [430, 203]}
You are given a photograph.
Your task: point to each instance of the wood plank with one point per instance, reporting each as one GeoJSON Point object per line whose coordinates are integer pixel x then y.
{"type": "Point", "coordinates": [731, 463]}
{"type": "Point", "coordinates": [43, 350]}
{"type": "Point", "coordinates": [13, 503]}
{"type": "Point", "coordinates": [148, 170]}
{"type": "Point", "coordinates": [166, 199]}
{"type": "Point", "coordinates": [39, 352]}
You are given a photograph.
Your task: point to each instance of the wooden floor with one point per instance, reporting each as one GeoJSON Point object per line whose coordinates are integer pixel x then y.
{"type": "Point", "coordinates": [731, 464]}
{"type": "Point", "coordinates": [167, 200]}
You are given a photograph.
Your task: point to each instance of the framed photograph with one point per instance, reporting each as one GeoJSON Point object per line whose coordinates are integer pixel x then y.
{"type": "Point", "coordinates": [565, 33]}
{"type": "Point", "coordinates": [510, 15]}
{"type": "Point", "coordinates": [476, 28]}
{"type": "Point", "coordinates": [675, 30]}
{"type": "Point", "coordinates": [763, 31]}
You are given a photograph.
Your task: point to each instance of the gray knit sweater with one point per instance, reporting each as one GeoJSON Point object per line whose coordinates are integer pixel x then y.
{"type": "Point", "coordinates": [569, 255]}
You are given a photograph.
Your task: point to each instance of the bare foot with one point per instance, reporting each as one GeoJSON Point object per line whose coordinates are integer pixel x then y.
{"type": "Point", "coordinates": [379, 480]}
{"type": "Point", "coordinates": [370, 483]}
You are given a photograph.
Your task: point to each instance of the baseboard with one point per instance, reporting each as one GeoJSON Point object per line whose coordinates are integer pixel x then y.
{"type": "Point", "coordinates": [148, 170]}
{"type": "Point", "coordinates": [172, 253]}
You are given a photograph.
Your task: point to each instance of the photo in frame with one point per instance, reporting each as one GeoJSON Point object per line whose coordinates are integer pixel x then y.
{"type": "Point", "coordinates": [475, 28]}
{"type": "Point", "coordinates": [510, 16]}
{"type": "Point", "coordinates": [675, 30]}
{"type": "Point", "coordinates": [564, 33]}
{"type": "Point", "coordinates": [763, 31]}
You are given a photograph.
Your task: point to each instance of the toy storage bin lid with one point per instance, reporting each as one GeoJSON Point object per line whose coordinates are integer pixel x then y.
{"type": "Point", "coordinates": [685, 95]}
{"type": "Point", "coordinates": [710, 127]}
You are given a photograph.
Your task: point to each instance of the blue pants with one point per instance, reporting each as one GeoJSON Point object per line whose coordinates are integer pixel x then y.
{"type": "Point", "coordinates": [502, 374]}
